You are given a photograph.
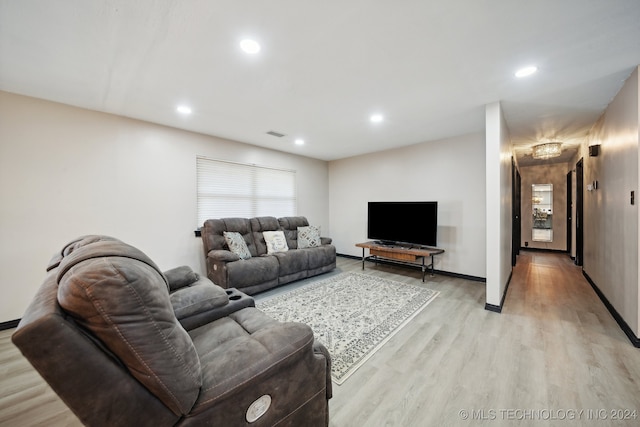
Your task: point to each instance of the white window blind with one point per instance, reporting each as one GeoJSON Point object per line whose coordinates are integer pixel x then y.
{"type": "Point", "coordinates": [227, 189]}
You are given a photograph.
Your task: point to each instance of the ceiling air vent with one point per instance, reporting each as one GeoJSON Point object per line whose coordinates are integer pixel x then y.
{"type": "Point", "coordinates": [274, 133]}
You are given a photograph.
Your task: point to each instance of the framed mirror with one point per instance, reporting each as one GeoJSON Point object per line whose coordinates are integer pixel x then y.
{"type": "Point", "coordinates": [542, 204]}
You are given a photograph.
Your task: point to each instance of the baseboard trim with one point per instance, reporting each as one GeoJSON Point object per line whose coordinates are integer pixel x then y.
{"type": "Point", "coordinates": [417, 267]}
{"type": "Point", "coordinates": [621, 322]}
{"type": "Point", "coordinates": [494, 308]}
{"type": "Point", "coordinates": [349, 256]}
{"type": "Point", "coordinates": [555, 251]}
{"type": "Point", "coordinates": [9, 325]}
{"type": "Point", "coordinates": [498, 308]}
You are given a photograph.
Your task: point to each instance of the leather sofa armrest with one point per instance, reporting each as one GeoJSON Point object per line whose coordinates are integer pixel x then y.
{"type": "Point", "coordinates": [321, 351]}
{"type": "Point", "coordinates": [200, 296]}
{"type": "Point", "coordinates": [325, 240]}
{"type": "Point", "coordinates": [180, 277]}
{"type": "Point", "coordinates": [222, 255]}
{"type": "Point", "coordinates": [203, 302]}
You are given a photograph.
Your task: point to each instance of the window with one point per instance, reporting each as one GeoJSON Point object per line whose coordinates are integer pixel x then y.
{"type": "Point", "coordinates": [227, 189]}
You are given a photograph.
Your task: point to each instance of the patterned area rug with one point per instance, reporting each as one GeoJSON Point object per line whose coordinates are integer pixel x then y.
{"type": "Point", "coordinates": [352, 314]}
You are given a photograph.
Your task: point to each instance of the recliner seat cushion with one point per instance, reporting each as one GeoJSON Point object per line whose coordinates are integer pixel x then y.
{"type": "Point", "coordinates": [323, 256]}
{"type": "Point", "coordinates": [116, 292]}
{"type": "Point", "coordinates": [249, 354]}
{"type": "Point", "coordinates": [252, 271]}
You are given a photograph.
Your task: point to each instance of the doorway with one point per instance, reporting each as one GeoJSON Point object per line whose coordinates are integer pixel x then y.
{"type": "Point", "coordinates": [569, 210]}
{"type": "Point", "coordinates": [515, 213]}
{"type": "Point", "coordinates": [579, 212]}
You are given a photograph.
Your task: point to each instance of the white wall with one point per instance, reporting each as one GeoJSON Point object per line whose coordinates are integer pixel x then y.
{"type": "Point", "coordinates": [610, 221]}
{"type": "Point", "coordinates": [498, 203]}
{"type": "Point", "coordinates": [450, 172]}
{"type": "Point", "coordinates": [66, 172]}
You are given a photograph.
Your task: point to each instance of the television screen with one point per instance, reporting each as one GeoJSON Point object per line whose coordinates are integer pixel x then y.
{"type": "Point", "coordinates": [403, 222]}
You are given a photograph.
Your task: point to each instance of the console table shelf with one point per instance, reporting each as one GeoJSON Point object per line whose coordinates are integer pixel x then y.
{"type": "Point", "coordinates": [401, 254]}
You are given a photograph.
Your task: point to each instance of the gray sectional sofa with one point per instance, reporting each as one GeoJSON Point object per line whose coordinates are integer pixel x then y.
{"type": "Point", "coordinates": [260, 270]}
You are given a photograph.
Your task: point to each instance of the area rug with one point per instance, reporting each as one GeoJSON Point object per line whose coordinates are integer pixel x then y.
{"type": "Point", "coordinates": [352, 314]}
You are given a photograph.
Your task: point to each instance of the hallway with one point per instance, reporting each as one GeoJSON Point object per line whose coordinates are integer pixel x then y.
{"type": "Point", "coordinates": [585, 359]}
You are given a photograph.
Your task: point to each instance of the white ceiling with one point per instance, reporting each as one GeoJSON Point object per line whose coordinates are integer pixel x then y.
{"type": "Point", "coordinates": [429, 66]}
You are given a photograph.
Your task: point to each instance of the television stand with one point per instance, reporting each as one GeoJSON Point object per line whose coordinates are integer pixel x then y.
{"type": "Point", "coordinates": [400, 254]}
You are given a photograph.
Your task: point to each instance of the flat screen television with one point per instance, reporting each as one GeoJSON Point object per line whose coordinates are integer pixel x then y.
{"type": "Point", "coordinates": [403, 222]}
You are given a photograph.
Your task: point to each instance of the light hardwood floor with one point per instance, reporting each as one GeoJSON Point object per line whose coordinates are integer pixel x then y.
{"type": "Point", "coordinates": [553, 357]}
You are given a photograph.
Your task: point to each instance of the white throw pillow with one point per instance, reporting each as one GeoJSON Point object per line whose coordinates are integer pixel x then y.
{"type": "Point", "coordinates": [236, 244]}
{"type": "Point", "coordinates": [308, 237]}
{"type": "Point", "coordinates": [275, 241]}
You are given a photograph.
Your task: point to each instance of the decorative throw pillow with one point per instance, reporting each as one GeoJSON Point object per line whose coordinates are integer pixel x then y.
{"type": "Point", "coordinates": [275, 241]}
{"type": "Point", "coordinates": [308, 237]}
{"type": "Point", "coordinates": [236, 244]}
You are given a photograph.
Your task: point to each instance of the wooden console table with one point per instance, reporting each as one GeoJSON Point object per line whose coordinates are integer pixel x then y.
{"type": "Point", "coordinates": [402, 254]}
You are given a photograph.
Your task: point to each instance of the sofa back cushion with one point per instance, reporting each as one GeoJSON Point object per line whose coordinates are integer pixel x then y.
{"type": "Point", "coordinates": [117, 293]}
{"type": "Point", "coordinates": [259, 225]}
{"type": "Point", "coordinates": [289, 225]}
{"type": "Point", "coordinates": [72, 245]}
{"type": "Point", "coordinates": [213, 233]}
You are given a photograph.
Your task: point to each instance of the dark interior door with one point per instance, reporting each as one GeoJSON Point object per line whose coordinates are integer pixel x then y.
{"type": "Point", "coordinates": [579, 212]}
{"type": "Point", "coordinates": [516, 214]}
{"type": "Point", "coordinates": [569, 211]}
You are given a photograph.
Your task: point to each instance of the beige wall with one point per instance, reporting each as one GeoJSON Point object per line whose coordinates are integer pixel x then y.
{"type": "Point", "coordinates": [66, 172]}
{"type": "Point", "coordinates": [555, 174]}
{"type": "Point", "coordinates": [610, 221]}
{"type": "Point", "coordinates": [449, 171]}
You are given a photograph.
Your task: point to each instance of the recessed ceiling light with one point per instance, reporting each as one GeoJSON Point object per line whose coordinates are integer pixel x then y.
{"type": "Point", "coordinates": [526, 71]}
{"type": "Point", "coordinates": [183, 109]}
{"type": "Point", "coordinates": [376, 118]}
{"type": "Point", "coordinates": [299, 141]}
{"type": "Point", "coordinates": [250, 46]}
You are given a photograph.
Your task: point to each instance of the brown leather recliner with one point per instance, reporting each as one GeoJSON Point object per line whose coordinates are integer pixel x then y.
{"type": "Point", "coordinates": [103, 331]}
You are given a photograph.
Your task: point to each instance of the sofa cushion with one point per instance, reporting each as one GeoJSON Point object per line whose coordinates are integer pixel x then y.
{"type": "Point", "coordinates": [308, 237]}
{"type": "Point", "coordinates": [116, 292]}
{"type": "Point", "coordinates": [259, 225]}
{"type": "Point", "coordinates": [289, 225]}
{"type": "Point", "coordinates": [69, 247]}
{"type": "Point", "coordinates": [179, 277]}
{"type": "Point", "coordinates": [213, 234]}
{"type": "Point", "coordinates": [252, 272]}
{"type": "Point", "coordinates": [323, 256]}
{"type": "Point", "coordinates": [293, 265]}
{"type": "Point", "coordinates": [242, 226]}
{"type": "Point", "coordinates": [275, 242]}
{"type": "Point", "coordinates": [249, 354]}
{"type": "Point", "coordinates": [236, 244]}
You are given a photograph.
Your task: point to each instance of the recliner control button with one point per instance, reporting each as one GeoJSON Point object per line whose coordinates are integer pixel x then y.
{"type": "Point", "coordinates": [258, 408]}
